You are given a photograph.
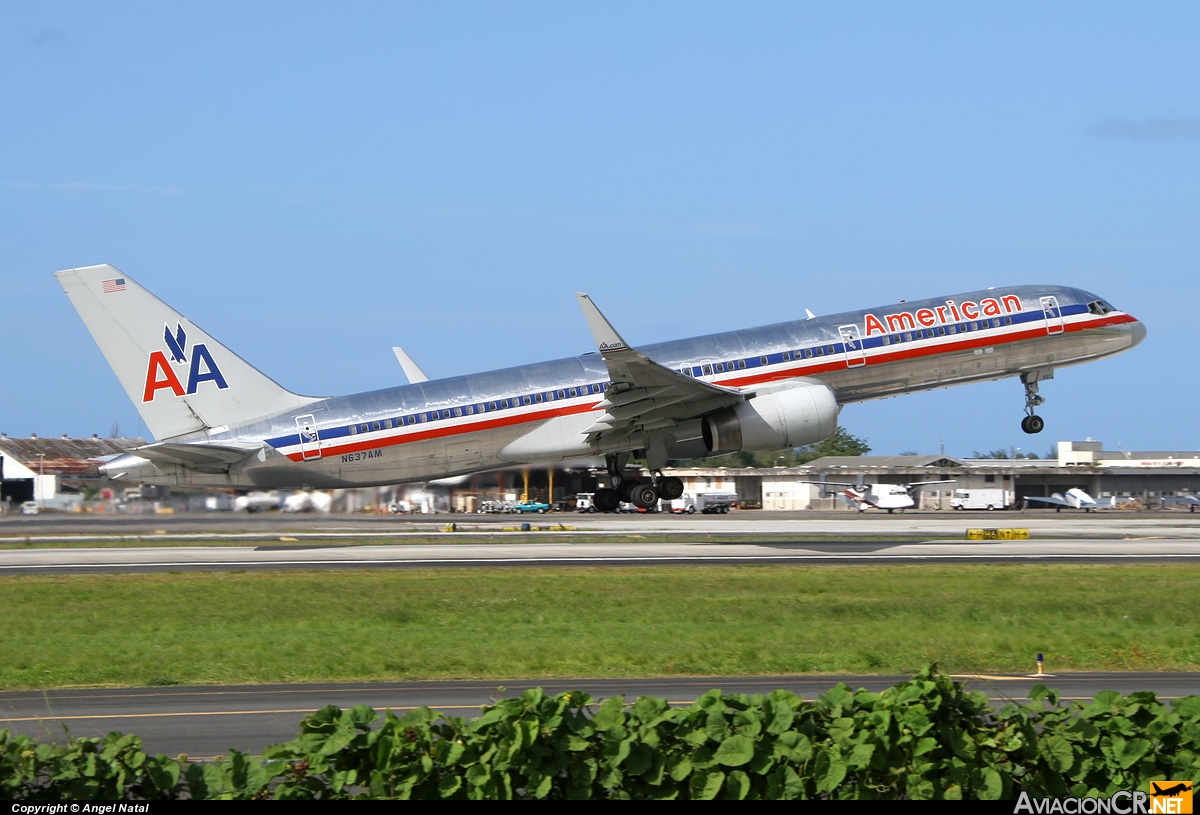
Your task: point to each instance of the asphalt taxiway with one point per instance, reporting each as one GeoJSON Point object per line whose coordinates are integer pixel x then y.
{"type": "Point", "coordinates": [208, 721]}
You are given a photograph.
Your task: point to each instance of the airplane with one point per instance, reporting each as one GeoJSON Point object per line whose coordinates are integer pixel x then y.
{"type": "Point", "coordinates": [878, 496]}
{"type": "Point", "coordinates": [1076, 498]}
{"type": "Point", "coordinates": [220, 422]}
{"type": "Point", "coordinates": [1171, 792]}
{"type": "Point", "coordinates": [1191, 500]}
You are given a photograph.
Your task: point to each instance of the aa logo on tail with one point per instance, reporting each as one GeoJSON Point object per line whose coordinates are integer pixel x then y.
{"type": "Point", "coordinates": [160, 375]}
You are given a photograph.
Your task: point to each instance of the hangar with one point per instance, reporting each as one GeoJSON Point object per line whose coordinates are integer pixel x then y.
{"type": "Point", "coordinates": [1147, 477]}
{"type": "Point", "coordinates": [56, 473]}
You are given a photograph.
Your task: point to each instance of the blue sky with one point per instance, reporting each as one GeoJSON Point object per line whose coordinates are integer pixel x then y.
{"type": "Point", "coordinates": [314, 183]}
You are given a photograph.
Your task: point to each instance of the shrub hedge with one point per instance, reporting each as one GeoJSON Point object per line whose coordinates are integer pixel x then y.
{"type": "Point", "coordinates": [926, 738]}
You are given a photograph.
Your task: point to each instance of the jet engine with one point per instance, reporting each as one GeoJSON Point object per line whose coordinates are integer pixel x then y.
{"type": "Point", "coordinates": [776, 420]}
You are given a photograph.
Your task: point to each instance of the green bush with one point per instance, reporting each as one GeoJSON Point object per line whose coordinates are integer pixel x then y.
{"type": "Point", "coordinates": [927, 738]}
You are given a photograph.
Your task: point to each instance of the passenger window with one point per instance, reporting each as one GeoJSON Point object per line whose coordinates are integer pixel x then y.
{"type": "Point", "coordinates": [457, 412]}
{"type": "Point", "coordinates": [572, 392]}
{"type": "Point", "coordinates": [562, 394]}
{"type": "Point", "coordinates": [353, 430]}
{"type": "Point", "coordinates": [1008, 320]}
{"type": "Point", "coordinates": [741, 363]}
{"type": "Point", "coordinates": [887, 340]}
{"type": "Point", "coordinates": [527, 400]}
{"type": "Point", "coordinates": [375, 425]}
{"type": "Point", "coordinates": [537, 397]}
{"type": "Point", "coordinates": [707, 370]}
{"type": "Point", "coordinates": [787, 356]}
{"type": "Point", "coordinates": [491, 405]}
{"type": "Point", "coordinates": [762, 360]}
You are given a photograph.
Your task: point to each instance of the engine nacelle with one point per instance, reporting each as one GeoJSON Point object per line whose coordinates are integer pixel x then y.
{"type": "Point", "coordinates": [800, 415]}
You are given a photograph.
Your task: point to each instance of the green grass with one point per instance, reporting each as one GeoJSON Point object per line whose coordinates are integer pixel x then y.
{"type": "Point", "coordinates": [195, 628]}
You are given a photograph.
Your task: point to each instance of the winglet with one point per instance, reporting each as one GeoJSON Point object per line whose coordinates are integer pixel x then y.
{"type": "Point", "coordinates": [411, 369]}
{"type": "Point", "coordinates": [607, 338]}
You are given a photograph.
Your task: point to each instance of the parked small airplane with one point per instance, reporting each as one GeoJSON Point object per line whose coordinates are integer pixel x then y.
{"type": "Point", "coordinates": [1074, 499]}
{"type": "Point", "coordinates": [220, 422]}
{"type": "Point", "coordinates": [878, 496]}
{"type": "Point", "coordinates": [1191, 500]}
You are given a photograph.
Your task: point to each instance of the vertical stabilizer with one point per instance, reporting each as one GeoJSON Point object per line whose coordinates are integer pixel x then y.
{"type": "Point", "coordinates": [180, 379]}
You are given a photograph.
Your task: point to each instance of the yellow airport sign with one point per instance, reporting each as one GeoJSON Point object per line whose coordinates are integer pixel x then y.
{"type": "Point", "coordinates": [997, 534]}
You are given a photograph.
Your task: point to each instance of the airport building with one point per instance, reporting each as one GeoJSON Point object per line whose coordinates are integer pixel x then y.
{"type": "Point", "coordinates": [1145, 477]}
{"type": "Point", "coordinates": [60, 473]}
{"type": "Point", "coordinates": [56, 473]}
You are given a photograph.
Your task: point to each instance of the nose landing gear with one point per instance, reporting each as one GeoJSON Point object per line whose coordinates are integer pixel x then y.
{"type": "Point", "coordinates": [1032, 423]}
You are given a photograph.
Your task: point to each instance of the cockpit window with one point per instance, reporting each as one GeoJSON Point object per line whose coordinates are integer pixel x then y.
{"type": "Point", "coordinates": [1100, 307]}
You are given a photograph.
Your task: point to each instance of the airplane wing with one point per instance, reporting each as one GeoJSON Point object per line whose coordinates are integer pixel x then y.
{"type": "Point", "coordinates": [645, 396]}
{"type": "Point", "coordinates": [1055, 499]}
{"type": "Point", "coordinates": [912, 484]}
{"type": "Point", "coordinates": [199, 456]}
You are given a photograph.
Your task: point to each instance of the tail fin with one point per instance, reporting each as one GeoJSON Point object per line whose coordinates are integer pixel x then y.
{"type": "Point", "coordinates": [180, 379]}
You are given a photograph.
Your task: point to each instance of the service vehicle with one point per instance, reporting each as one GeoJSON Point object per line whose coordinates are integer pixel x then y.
{"type": "Point", "coordinates": [710, 503]}
{"type": "Point", "coordinates": [988, 498]}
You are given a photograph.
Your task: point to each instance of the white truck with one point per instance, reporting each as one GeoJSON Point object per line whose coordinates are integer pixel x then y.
{"type": "Point", "coordinates": [710, 503]}
{"type": "Point", "coordinates": [988, 498]}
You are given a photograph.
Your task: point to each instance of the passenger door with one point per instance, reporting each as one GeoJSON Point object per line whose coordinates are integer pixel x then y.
{"type": "Point", "coordinates": [310, 437]}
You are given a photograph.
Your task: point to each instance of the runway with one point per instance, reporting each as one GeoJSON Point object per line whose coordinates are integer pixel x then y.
{"type": "Point", "coordinates": [583, 553]}
{"type": "Point", "coordinates": [1042, 524]}
{"type": "Point", "coordinates": [226, 542]}
{"type": "Point", "coordinates": [208, 721]}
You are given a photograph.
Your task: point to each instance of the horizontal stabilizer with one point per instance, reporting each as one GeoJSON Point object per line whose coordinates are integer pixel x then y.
{"type": "Point", "coordinates": [199, 455]}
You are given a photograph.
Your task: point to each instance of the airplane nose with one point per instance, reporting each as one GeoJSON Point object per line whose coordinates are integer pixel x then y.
{"type": "Point", "coordinates": [1137, 332]}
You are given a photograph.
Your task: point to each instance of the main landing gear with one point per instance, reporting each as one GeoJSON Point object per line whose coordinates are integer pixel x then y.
{"type": "Point", "coordinates": [642, 494]}
{"type": "Point", "coordinates": [1032, 423]}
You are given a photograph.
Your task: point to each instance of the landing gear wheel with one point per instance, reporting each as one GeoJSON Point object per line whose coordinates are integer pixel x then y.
{"type": "Point", "coordinates": [1033, 424]}
{"type": "Point", "coordinates": [606, 500]}
{"type": "Point", "coordinates": [670, 488]}
{"type": "Point", "coordinates": [625, 490]}
{"type": "Point", "coordinates": [643, 496]}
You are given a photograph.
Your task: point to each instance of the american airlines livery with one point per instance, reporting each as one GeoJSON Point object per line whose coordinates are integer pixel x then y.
{"type": "Point", "coordinates": [221, 422]}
